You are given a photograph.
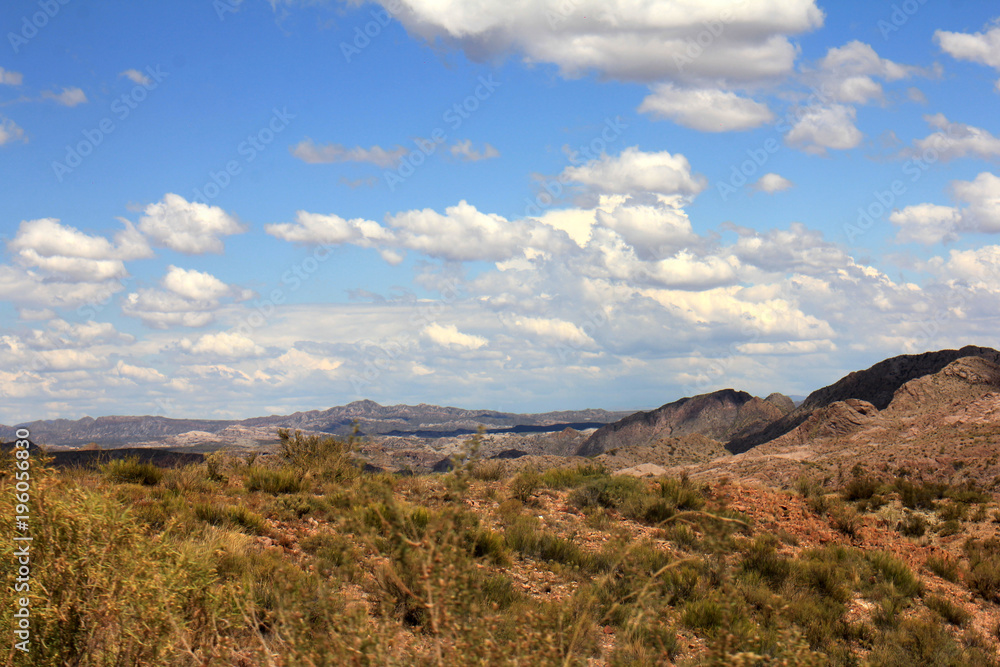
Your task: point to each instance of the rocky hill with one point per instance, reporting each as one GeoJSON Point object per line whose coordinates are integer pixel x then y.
{"type": "Point", "coordinates": [876, 385]}
{"type": "Point", "coordinates": [944, 426]}
{"type": "Point", "coordinates": [721, 415]}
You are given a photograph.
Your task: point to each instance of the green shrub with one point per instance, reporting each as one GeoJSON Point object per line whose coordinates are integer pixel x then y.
{"type": "Point", "coordinates": [949, 611]}
{"type": "Point", "coordinates": [944, 567]}
{"type": "Point", "coordinates": [563, 478]}
{"type": "Point", "coordinates": [272, 481]}
{"type": "Point", "coordinates": [524, 485]}
{"type": "Point", "coordinates": [232, 516]}
{"type": "Point", "coordinates": [131, 471]}
{"type": "Point", "coordinates": [894, 571]}
{"type": "Point", "coordinates": [913, 525]}
{"type": "Point", "coordinates": [859, 488]}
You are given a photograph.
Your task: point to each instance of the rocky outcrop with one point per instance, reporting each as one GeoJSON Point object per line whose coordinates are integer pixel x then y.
{"type": "Point", "coordinates": [720, 415]}
{"type": "Point", "coordinates": [876, 385]}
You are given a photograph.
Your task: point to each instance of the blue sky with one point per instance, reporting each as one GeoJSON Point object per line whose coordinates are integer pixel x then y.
{"type": "Point", "coordinates": [222, 209]}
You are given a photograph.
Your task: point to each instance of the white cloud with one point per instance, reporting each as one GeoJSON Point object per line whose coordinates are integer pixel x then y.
{"type": "Point", "coordinates": [705, 109]}
{"type": "Point", "coordinates": [646, 40]}
{"type": "Point", "coordinates": [224, 345]}
{"type": "Point", "coordinates": [982, 196]}
{"type": "Point", "coordinates": [821, 127]}
{"type": "Point", "coordinates": [140, 373]}
{"type": "Point", "coordinates": [846, 73]}
{"type": "Point", "coordinates": [552, 328]}
{"type": "Point", "coordinates": [771, 183]}
{"type": "Point", "coordinates": [465, 151]}
{"type": "Point", "coordinates": [188, 227]}
{"type": "Point", "coordinates": [983, 48]}
{"type": "Point", "coordinates": [188, 298]}
{"type": "Point", "coordinates": [955, 140]}
{"type": "Point", "coordinates": [635, 172]}
{"type": "Point", "coordinates": [315, 228]}
{"type": "Point", "coordinates": [69, 97]}
{"type": "Point", "coordinates": [926, 223]}
{"type": "Point", "coordinates": [135, 76]}
{"type": "Point", "coordinates": [448, 335]}
{"type": "Point", "coordinates": [10, 131]}
{"type": "Point", "coordinates": [9, 78]}
{"type": "Point", "coordinates": [46, 237]}
{"type": "Point", "coordinates": [308, 151]}
{"type": "Point", "coordinates": [979, 268]}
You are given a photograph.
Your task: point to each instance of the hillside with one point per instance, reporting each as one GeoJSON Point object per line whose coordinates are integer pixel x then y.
{"type": "Point", "coordinates": [721, 415]}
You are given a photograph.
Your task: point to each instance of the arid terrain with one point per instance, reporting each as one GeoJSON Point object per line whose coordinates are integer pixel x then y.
{"type": "Point", "coordinates": [864, 529]}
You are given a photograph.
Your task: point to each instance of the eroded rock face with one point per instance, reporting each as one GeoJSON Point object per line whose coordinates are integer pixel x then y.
{"type": "Point", "coordinates": [720, 415]}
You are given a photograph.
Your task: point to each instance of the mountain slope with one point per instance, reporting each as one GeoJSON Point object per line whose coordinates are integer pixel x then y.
{"type": "Point", "coordinates": [875, 385]}
{"type": "Point", "coordinates": [720, 415]}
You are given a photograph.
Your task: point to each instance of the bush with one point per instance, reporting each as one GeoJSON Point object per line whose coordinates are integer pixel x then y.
{"type": "Point", "coordinates": [131, 471]}
{"type": "Point", "coordinates": [949, 611]}
{"type": "Point", "coordinates": [563, 478]}
{"type": "Point", "coordinates": [523, 486]}
{"type": "Point", "coordinates": [913, 525]}
{"type": "Point", "coordinates": [232, 516]}
{"type": "Point", "coordinates": [944, 567]}
{"type": "Point", "coordinates": [273, 481]}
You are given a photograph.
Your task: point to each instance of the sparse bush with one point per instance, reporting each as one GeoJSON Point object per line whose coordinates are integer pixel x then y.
{"type": "Point", "coordinates": [271, 481]}
{"type": "Point", "coordinates": [563, 478]}
{"type": "Point", "coordinates": [913, 525]}
{"type": "Point", "coordinates": [132, 471]}
{"type": "Point", "coordinates": [944, 567]}
{"type": "Point", "coordinates": [524, 485]}
{"type": "Point", "coordinates": [233, 516]}
{"type": "Point", "coordinates": [488, 471]}
{"type": "Point", "coordinates": [948, 610]}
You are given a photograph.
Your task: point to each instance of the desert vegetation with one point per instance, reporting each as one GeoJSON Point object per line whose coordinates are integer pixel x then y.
{"type": "Point", "coordinates": [300, 558]}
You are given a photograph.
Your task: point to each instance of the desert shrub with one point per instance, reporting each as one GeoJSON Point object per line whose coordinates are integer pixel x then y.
{"type": "Point", "coordinates": [762, 557]}
{"type": "Point", "coordinates": [681, 493]}
{"type": "Point", "coordinates": [273, 481]}
{"type": "Point", "coordinates": [919, 495]}
{"type": "Point", "coordinates": [563, 478]}
{"type": "Point", "coordinates": [328, 458]}
{"type": "Point", "coordinates": [524, 485]}
{"type": "Point", "coordinates": [913, 525]}
{"type": "Point", "coordinates": [131, 471]}
{"type": "Point", "coordinates": [948, 610]}
{"type": "Point", "coordinates": [944, 567]}
{"type": "Point", "coordinates": [845, 519]}
{"type": "Point", "coordinates": [953, 511]}
{"type": "Point", "coordinates": [488, 471]}
{"type": "Point", "coordinates": [707, 615]}
{"type": "Point", "coordinates": [949, 528]}
{"type": "Point", "coordinates": [610, 492]}
{"type": "Point", "coordinates": [232, 516]}
{"type": "Point", "coordinates": [895, 572]}
{"type": "Point", "coordinates": [921, 641]}
{"type": "Point", "coordinates": [859, 488]}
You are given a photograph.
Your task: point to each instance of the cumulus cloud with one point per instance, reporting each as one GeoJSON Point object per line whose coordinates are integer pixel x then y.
{"type": "Point", "coordinates": [308, 151]}
{"type": "Point", "coordinates": [464, 151]}
{"type": "Point", "coordinates": [224, 345]}
{"type": "Point", "coordinates": [636, 172]}
{"type": "Point", "coordinates": [979, 47]}
{"type": "Point", "coordinates": [189, 227]}
{"type": "Point", "coordinates": [648, 40]}
{"type": "Point", "coordinates": [955, 140]}
{"type": "Point", "coordinates": [69, 97]}
{"type": "Point", "coordinates": [705, 109]}
{"type": "Point", "coordinates": [10, 131]}
{"type": "Point", "coordinates": [448, 335]}
{"type": "Point", "coordinates": [927, 224]}
{"type": "Point", "coordinates": [821, 127]}
{"type": "Point", "coordinates": [847, 74]}
{"type": "Point", "coordinates": [771, 183]}
{"type": "Point", "coordinates": [59, 266]}
{"type": "Point", "coordinates": [186, 298]}
{"type": "Point", "coordinates": [978, 211]}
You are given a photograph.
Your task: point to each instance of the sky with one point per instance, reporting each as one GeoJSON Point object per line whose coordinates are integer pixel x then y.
{"type": "Point", "coordinates": [225, 209]}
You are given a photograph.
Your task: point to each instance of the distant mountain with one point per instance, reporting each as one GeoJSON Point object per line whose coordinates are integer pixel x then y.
{"type": "Point", "coordinates": [720, 415]}
{"type": "Point", "coordinates": [372, 418]}
{"type": "Point", "coordinates": [876, 385]}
